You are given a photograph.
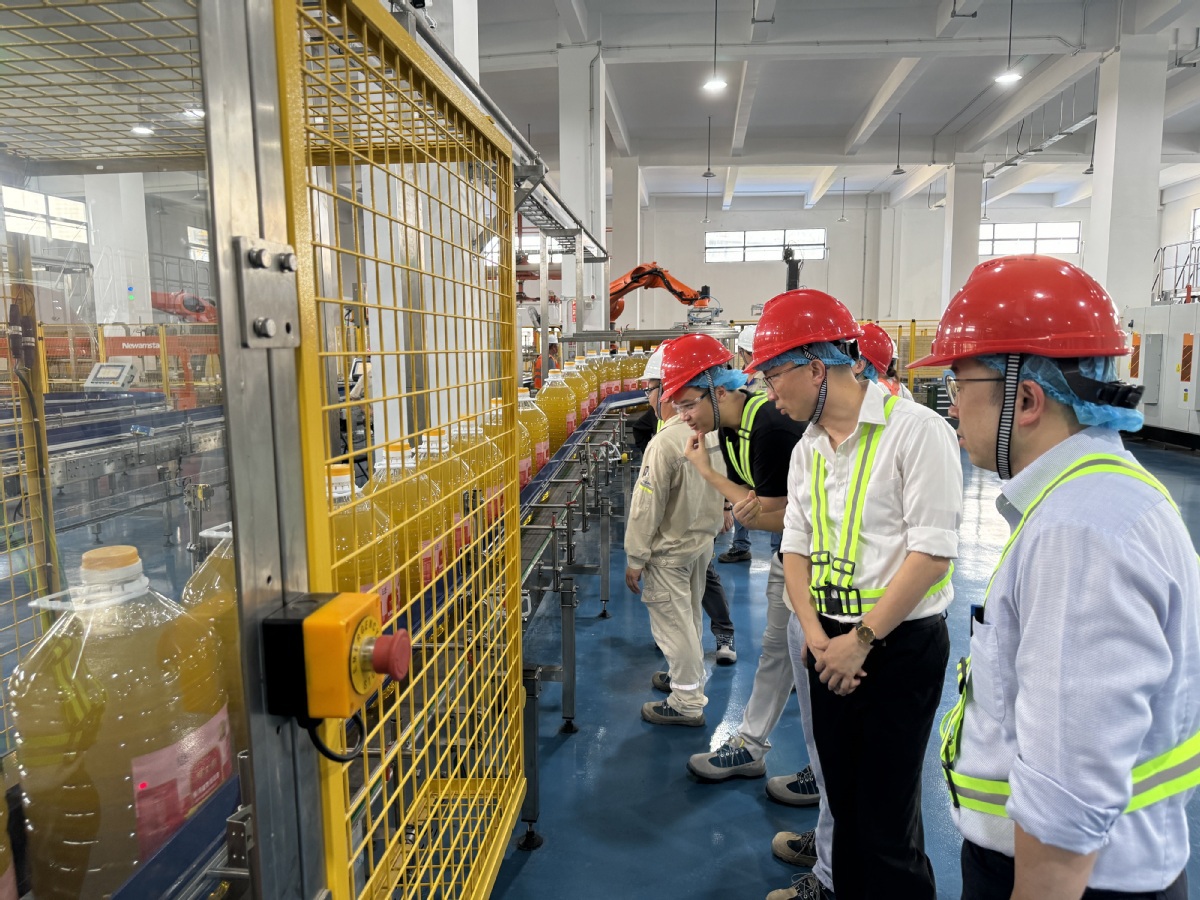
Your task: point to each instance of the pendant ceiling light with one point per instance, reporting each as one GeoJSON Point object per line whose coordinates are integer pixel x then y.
{"type": "Point", "coordinates": [898, 170]}
{"type": "Point", "coordinates": [842, 217]}
{"type": "Point", "coordinates": [708, 172]}
{"type": "Point", "coordinates": [715, 83]}
{"type": "Point", "coordinates": [1009, 75]}
{"type": "Point", "coordinates": [984, 217]}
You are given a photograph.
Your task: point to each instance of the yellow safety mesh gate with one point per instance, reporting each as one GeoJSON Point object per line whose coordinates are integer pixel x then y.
{"type": "Point", "coordinates": [400, 200]}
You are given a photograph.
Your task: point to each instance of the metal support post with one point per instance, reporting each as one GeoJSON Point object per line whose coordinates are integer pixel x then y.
{"type": "Point", "coordinates": [570, 534]}
{"type": "Point", "coordinates": [531, 807]}
{"type": "Point", "coordinates": [93, 497]}
{"type": "Point", "coordinates": [605, 555]}
{"type": "Point", "coordinates": [197, 498]}
{"type": "Point", "coordinates": [568, 602]}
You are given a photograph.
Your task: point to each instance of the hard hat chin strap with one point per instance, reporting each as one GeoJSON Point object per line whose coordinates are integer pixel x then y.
{"type": "Point", "coordinates": [1008, 410]}
{"type": "Point", "coordinates": [823, 392]}
{"type": "Point", "coordinates": [712, 396]}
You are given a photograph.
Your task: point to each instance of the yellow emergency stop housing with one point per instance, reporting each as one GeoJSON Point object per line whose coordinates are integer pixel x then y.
{"type": "Point", "coordinates": [317, 655]}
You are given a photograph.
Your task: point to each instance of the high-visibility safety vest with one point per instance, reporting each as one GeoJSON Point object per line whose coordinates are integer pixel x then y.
{"type": "Point", "coordinates": [741, 457]}
{"type": "Point", "coordinates": [832, 586]}
{"type": "Point", "coordinates": [1156, 779]}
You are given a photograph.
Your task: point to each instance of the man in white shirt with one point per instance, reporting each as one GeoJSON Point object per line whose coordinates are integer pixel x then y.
{"type": "Point", "coordinates": [1075, 744]}
{"type": "Point", "coordinates": [874, 505]}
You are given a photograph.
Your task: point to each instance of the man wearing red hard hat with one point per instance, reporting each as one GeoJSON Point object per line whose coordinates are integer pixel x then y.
{"type": "Point", "coordinates": [870, 529]}
{"type": "Point", "coordinates": [1075, 744]}
{"type": "Point", "coordinates": [878, 355]}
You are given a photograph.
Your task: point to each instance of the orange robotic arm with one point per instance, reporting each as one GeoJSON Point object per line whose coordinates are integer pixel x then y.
{"type": "Point", "coordinates": [651, 275]}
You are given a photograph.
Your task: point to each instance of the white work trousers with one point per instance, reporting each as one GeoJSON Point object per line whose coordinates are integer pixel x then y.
{"type": "Point", "coordinates": [824, 817]}
{"type": "Point", "coordinates": [773, 678]}
{"type": "Point", "coordinates": [673, 596]}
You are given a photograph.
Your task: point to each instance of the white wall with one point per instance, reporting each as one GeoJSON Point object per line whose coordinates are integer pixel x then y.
{"type": "Point", "coordinates": [1176, 218]}
{"type": "Point", "coordinates": [900, 277]}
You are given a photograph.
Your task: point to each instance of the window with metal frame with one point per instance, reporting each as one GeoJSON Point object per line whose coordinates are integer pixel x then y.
{"type": "Point", "coordinates": [763, 246]}
{"type": "Point", "coordinates": [1051, 238]}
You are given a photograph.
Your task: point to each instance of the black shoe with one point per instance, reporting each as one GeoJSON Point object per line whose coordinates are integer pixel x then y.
{"type": "Point", "coordinates": [731, 556]}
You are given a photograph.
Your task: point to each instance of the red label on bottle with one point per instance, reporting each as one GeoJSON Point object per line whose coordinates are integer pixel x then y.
{"type": "Point", "coordinates": [8, 884]}
{"type": "Point", "coordinates": [433, 561]}
{"type": "Point", "coordinates": [170, 784]}
{"type": "Point", "coordinates": [523, 468]}
{"type": "Point", "coordinates": [387, 599]}
{"type": "Point", "coordinates": [570, 423]}
{"type": "Point", "coordinates": [462, 533]}
{"type": "Point", "coordinates": [542, 451]}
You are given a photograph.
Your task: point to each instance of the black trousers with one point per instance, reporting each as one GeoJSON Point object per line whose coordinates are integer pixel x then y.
{"type": "Point", "coordinates": [872, 747]}
{"type": "Point", "coordinates": [716, 604]}
{"type": "Point", "coordinates": [988, 875]}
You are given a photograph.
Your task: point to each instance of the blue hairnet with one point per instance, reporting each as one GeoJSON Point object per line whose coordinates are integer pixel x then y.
{"type": "Point", "coordinates": [870, 373]}
{"type": "Point", "coordinates": [730, 379]}
{"type": "Point", "coordinates": [824, 351]}
{"type": "Point", "coordinates": [1098, 368]}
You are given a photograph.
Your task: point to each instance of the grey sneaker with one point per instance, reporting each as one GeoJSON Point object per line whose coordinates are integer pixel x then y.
{"type": "Point", "coordinates": [726, 655]}
{"type": "Point", "coordinates": [795, 790]}
{"type": "Point", "coordinates": [730, 760]}
{"type": "Point", "coordinates": [661, 681]}
{"type": "Point", "coordinates": [794, 848]}
{"type": "Point", "coordinates": [803, 887]}
{"type": "Point", "coordinates": [732, 556]}
{"type": "Point", "coordinates": [660, 712]}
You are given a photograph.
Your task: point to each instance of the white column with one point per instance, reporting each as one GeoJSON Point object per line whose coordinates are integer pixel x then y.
{"type": "Point", "coordinates": [461, 33]}
{"type": "Point", "coordinates": [1123, 227]}
{"type": "Point", "coordinates": [581, 167]}
{"type": "Point", "coordinates": [625, 241]}
{"type": "Point", "coordinates": [119, 247]}
{"type": "Point", "coordinates": [960, 250]}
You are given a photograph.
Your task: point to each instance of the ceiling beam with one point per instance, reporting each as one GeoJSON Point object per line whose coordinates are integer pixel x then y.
{"type": "Point", "coordinates": [573, 16]}
{"type": "Point", "coordinates": [761, 19]}
{"type": "Point", "coordinates": [1015, 178]}
{"type": "Point", "coordinates": [889, 48]}
{"type": "Point", "coordinates": [1153, 16]}
{"type": "Point", "coordinates": [615, 120]}
{"type": "Point", "coordinates": [731, 174]}
{"type": "Point", "coordinates": [821, 184]}
{"type": "Point", "coordinates": [751, 73]}
{"type": "Point", "coordinates": [1046, 82]}
{"type": "Point", "coordinates": [898, 82]}
{"type": "Point", "coordinates": [1077, 194]}
{"type": "Point", "coordinates": [1182, 95]}
{"type": "Point", "coordinates": [950, 21]}
{"type": "Point", "coordinates": [916, 180]}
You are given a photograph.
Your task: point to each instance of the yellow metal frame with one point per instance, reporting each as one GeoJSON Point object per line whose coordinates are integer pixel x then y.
{"type": "Point", "coordinates": [914, 338]}
{"type": "Point", "coordinates": [400, 210]}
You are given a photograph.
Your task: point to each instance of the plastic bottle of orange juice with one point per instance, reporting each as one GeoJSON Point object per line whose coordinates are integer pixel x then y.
{"type": "Point", "coordinates": [366, 550]}
{"type": "Point", "coordinates": [493, 427]}
{"type": "Point", "coordinates": [579, 386]}
{"type": "Point", "coordinates": [588, 366]}
{"type": "Point", "coordinates": [486, 464]}
{"type": "Point", "coordinates": [447, 470]}
{"type": "Point", "coordinates": [412, 501]}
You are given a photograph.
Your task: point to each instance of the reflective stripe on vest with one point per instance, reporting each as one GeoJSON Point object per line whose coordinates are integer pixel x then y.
{"type": "Point", "coordinates": [832, 585]}
{"type": "Point", "coordinates": [741, 458]}
{"type": "Point", "coordinates": [1156, 779]}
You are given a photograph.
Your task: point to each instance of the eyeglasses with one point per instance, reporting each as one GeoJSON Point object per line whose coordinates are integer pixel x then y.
{"type": "Point", "coordinates": [688, 406]}
{"type": "Point", "coordinates": [650, 390]}
{"type": "Point", "coordinates": [770, 379]}
{"type": "Point", "coordinates": [952, 381]}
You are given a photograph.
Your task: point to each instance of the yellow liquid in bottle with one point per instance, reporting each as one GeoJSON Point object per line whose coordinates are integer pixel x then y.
{"type": "Point", "coordinates": [610, 375]}
{"type": "Point", "coordinates": [493, 427]}
{"type": "Point", "coordinates": [632, 367]}
{"type": "Point", "coordinates": [453, 479]}
{"type": "Point", "coordinates": [592, 374]}
{"type": "Point", "coordinates": [538, 426]}
{"type": "Point", "coordinates": [364, 553]}
{"type": "Point", "coordinates": [578, 384]}
{"type": "Point", "coordinates": [413, 504]}
{"type": "Point", "coordinates": [113, 754]}
{"type": "Point", "coordinates": [211, 597]}
{"type": "Point", "coordinates": [485, 462]}
{"type": "Point", "coordinates": [558, 402]}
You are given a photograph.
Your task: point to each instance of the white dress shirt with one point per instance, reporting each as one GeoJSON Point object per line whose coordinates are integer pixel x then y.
{"type": "Point", "coordinates": [913, 501]}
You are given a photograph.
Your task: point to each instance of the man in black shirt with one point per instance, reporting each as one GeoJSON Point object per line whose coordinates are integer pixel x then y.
{"type": "Point", "coordinates": [757, 442]}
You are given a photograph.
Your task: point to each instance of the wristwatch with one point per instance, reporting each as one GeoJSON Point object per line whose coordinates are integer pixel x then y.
{"type": "Point", "coordinates": [865, 634]}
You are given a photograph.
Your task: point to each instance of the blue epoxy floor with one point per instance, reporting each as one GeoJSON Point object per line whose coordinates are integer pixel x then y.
{"type": "Point", "coordinates": [620, 815]}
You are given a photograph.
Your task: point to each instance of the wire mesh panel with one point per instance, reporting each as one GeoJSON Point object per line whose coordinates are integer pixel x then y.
{"type": "Point", "coordinates": [401, 204]}
{"type": "Point", "coordinates": [68, 353]}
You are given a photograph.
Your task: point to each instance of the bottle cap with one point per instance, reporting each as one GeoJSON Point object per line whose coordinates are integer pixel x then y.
{"type": "Point", "coordinates": [105, 559]}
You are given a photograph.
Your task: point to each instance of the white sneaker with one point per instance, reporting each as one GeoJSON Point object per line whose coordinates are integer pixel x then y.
{"type": "Point", "coordinates": [726, 655]}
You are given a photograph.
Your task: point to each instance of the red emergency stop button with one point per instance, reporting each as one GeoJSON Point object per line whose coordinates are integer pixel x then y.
{"type": "Point", "coordinates": [392, 654]}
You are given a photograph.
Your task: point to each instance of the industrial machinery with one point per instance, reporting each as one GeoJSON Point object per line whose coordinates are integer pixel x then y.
{"type": "Point", "coordinates": [187, 306]}
{"type": "Point", "coordinates": [115, 374]}
{"type": "Point", "coordinates": [1163, 361]}
{"type": "Point", "coordinates": [702, 308]}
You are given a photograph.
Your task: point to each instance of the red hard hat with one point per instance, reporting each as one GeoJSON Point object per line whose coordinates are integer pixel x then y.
{"type": "Point", "coordinates": [687, 356]}
{"type": "Point", "coordinates": [1027, 304]}
{"type": "Point", "coordinates": [796, 318]}
{"type": "Point", "coordinates": [877, 347]}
